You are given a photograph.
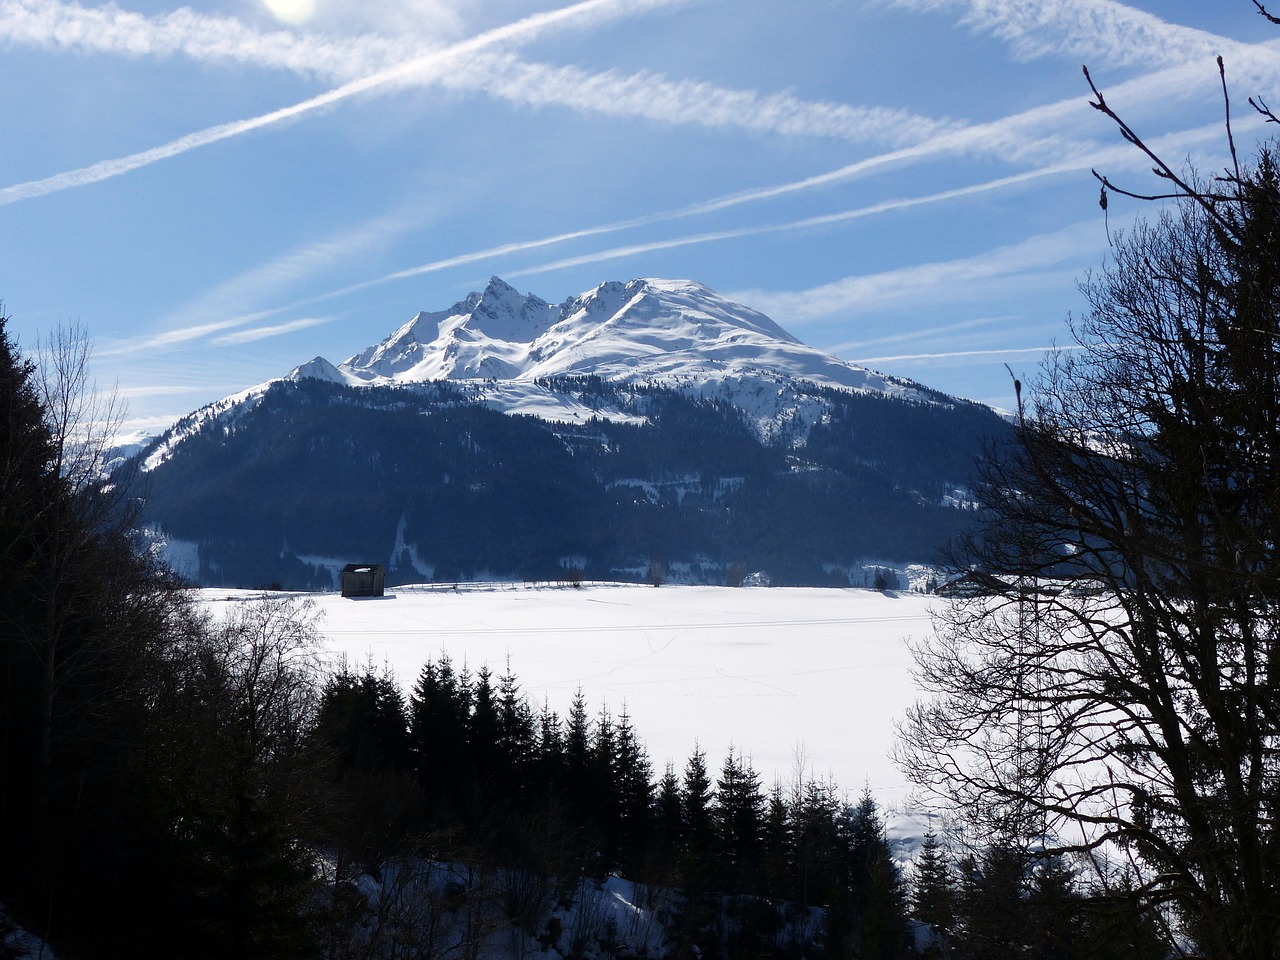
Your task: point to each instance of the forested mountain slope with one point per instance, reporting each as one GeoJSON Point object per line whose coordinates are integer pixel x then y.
{"type": "Point", "coordinates": [693, 443]}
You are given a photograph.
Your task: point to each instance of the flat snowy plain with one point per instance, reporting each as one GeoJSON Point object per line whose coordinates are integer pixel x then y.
{"type": "Point", "coordinates": [809, 679]}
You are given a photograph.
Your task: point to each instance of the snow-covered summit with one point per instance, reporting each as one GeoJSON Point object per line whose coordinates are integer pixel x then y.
{"type": "Point", "coordinates": [669, 333]}
{"type": "Point", "coordinates": [647, 330]}
{"type": "Point", "coordinates": [487, 335]}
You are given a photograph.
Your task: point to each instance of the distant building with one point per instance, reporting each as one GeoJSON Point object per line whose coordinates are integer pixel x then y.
{"type": "Point", "coordinates": [362, 580]}
{"type": "Point", "coordinates": [973, 583]}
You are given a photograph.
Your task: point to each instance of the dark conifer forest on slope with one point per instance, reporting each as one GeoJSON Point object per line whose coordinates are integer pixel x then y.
{"type": "Point", "coordinates": [175, 786]}
{"type": "Point", "coordinates": [320, 470]}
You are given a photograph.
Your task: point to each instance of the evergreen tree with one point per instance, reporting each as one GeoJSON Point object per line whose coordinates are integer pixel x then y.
{"type": "Point", "coordinates": [634, 778]}
{"type": "Point", "coordinates": [991, 897]}
{"type": "Point", "coordinates": [739, 815]}
{"type": "Point", "coordinates": [439, 710]}
{"type": "Point", "coordinates": [362, 719]}
{"type": "Point", "coordinates": [696, 799]}
{"type": "Point", "coordinates": [517, 737]}
{"type": "Point", "coordinates": [1116, 928]}
{"type": "Point", "coordinates": [550, 749]}
{"type": "Point", "coordinates": [669, 825]}
{"type": "Point", "coordinates": [362, 733]}
{"type": "Point", "coordinates": [698, 931]}
{"type": "Point", "coordinates": [86, 621]}
{"type": "Point", "coordinates": [932, 889]}
{"type": "Point", "coordinates": [604, 806]}
{"type": "Point", "coordinates": [26, 486]}
{"type": "Point", "coordinates": [577, 753]}
{"type": "Point", "coordinates": [484, 730]}
{"type": "Point", "coordinates": [778, 853]}
{"type": "Point", "coordinates": [580, 784]}
{"type": "Point", "coordinates": [816, 843]}
{"type": "Point", "coordinates": [874, 884]}
{"type": "Point", "coordinates": [1055, 910]}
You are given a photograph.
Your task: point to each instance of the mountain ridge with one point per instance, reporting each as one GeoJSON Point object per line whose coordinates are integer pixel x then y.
{"type": "Point", "coordinates": [644, 330]}
{"type": "Point", "coordinates": [675, 333]}
{"type": "Point", "coordinates": [644, 425]}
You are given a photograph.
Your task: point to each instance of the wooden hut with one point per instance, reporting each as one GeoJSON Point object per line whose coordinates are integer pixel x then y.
{"type": "Point", "coordinates": [362, 580]}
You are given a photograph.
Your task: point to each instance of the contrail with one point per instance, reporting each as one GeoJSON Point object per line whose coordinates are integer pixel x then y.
{"type": "Point", "coordinates": [1111, 154]}
{"type": "Point", "coordinates": [960, 354]}
{"type": "Point", "coordinates": [524, 29]}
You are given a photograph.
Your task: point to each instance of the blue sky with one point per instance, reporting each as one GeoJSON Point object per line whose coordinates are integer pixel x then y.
{"type": "Point", "coordinates": [221, 191]}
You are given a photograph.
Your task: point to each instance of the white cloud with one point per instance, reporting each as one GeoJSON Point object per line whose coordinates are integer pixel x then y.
{"type": "Point", "coordinates": [973, 356]}
{"type": "Point", "coordinates": [399, 18]}
{"type": "Point", "coordinates": [944, 281]}
{"type": "Point", "coordinates": [154, 390]}
{"type": "Point", "coordinates": [169, 338]}
{"type": "Point", "coordinates": [262, 333]}
{"type": "Point", "coordinates": [946, 330]}
{"type": "Point", "coordinates": [655, 97]}
{"type": "Point", "coordinates": [472, 65]}
{"type": "Point", "coordinates": [217, 309]}
{"type": "Point", "coordinates": [51, 23]}
{"type": "Point", "coordinates": [294, 265]}
{"type": "Point", "coordinates": [1121, 157]}
{"type": "Point", "coordinates": [430, 66]}
{"type": "Point", "coordinates": [1102, 29]}
{"type": "Point", "coordinates": [206, 38]}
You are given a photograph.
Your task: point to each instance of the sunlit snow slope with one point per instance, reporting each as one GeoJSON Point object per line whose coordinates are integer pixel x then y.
{"type": "Point", "coordinates": [667, 331]}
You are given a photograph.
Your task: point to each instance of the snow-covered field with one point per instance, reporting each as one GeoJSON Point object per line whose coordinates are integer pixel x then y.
{"type": "Point", "coordinates": [788, 676]}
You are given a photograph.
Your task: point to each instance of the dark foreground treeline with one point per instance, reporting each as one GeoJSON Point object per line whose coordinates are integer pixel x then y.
{"type": "Point", "coordinates": [465, 767]}
{"type": "Point", "coordinates": [175, 786]}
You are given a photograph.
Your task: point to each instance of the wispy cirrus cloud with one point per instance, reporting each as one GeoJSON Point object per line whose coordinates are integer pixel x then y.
{"type": "Point", "coordinates": [222, 307]}
{"type": "Point", "coordinates": [826, 219]}
{"type": "Point", "coordinates": [176, 337]}
{"type": "Point", "coordinates": [925, 333]}
{"type": "Point", "coordinates": [1027, 261]}
{"type": "Point", "coordinates": [276, 330]}
{"type": "Point", "coordinates": [473, 65]}
{"type": "Point", "coordinates": [655, 97]}
{"type": "Point", "coordinates": [1117, 157]}
{"type": "Point", "coordinates": [205, 38]}
{"type": "Point", "coordinates": [155, 390]}
{"type": "Point", "coordinates": [994, 355]}
{"type": "Point", "coordinates": [1114, 158]}
{"type": "Point", "coordinates": [432, 64]}
{"type": "Point", "coordinates": [52, 23]}
{"type": "Point", "coordinates": [1104, 29]}
{"type": "Point", "coordinates": [1076, 160]}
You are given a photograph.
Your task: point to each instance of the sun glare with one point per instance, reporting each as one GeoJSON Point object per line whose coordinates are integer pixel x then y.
{"type": "Point", "coordinates": [291, 11]}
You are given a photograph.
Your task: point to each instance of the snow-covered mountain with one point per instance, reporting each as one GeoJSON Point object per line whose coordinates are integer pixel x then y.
{"type": "Point", "coordinates": [658, 331]}
{"type": "Point", "coordinates": [662, 422]}
{"type": "Point", "coordinates": [673, 333]}
{"type": "Point", "coordinates": [514, 351]}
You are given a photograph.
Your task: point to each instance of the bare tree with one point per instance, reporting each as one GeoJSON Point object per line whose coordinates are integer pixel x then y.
{"type": "Point", "coordinates": [83, 617]}
{"type": "Point", "coordinates": [80, 514]}
{"type": "Point", "coordinates": [233, 782]}
{"type": "Point", "coordinates": [72, 582]}
{"type": "Point", "coordinates": [1118, 698]}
